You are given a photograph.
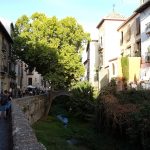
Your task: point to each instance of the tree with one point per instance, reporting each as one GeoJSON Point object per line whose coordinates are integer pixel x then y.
{"type": "Point", "coordinates": [51, 46]}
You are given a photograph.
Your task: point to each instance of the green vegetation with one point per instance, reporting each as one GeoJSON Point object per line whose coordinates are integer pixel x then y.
{"type": "Point", "coordinates": [48, 44]}
{"type": "Point", "coordinates": [125, 114]}
{"type": "Point", "coordinates": [120, 120]}
{"type": "Point", "coordinates": [54, 135]}
{"type": "Point", "coordinates": [82, 103]}
{"type": "Point", "coordinates": [125, 67]}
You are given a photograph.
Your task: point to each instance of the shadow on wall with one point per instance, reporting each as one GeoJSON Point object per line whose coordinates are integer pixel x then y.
{"type": "Point", "coordinates": [104, 81]}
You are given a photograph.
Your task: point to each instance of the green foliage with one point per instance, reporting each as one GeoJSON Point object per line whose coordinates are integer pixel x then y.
{"type": "Point", "coordinates": [139, 131]}
{"type": "Point", "coordinates": [126, 114]}
{"type": "Point", "coordinates": [82, 101]}
{"type": "Point", "coordinates": [125, 67]}
{"type": "Point", "coordinates": [52, 46]}
{"type": "Point", "coordinates": [133, 96]}
{"type": "Point", "coordinates": [54, 136]}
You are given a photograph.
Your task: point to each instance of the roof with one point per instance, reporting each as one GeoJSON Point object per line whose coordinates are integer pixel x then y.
{"type": "Point", "coordinates": [130, 18]}
{"type": "Point", "coordinates": [4, 31]}
{"type": "Point", "coordinates": [112, 16]}
{"type": "Point", "coordinates": [143, 7]}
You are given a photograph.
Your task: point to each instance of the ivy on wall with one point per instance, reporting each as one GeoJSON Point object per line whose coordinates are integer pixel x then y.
{"type": "Point", "coordinates": [125, 67]}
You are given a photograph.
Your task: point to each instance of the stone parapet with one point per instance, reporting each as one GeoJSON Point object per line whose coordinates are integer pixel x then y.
{"type": "Point", "coordinates": [33, 107]}
{"type": "Point", "coordinates": [23, 135]}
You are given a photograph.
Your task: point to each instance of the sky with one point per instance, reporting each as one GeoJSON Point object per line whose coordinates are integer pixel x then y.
{"type": "Point", "coordinates": [87, 12]}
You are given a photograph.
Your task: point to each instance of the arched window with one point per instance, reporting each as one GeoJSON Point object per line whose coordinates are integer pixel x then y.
{"type": "Point", "coordinates": [113, 69]}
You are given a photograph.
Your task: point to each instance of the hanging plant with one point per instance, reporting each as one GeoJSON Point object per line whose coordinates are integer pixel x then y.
{"type": "Point", "coordinates": [125, 67]}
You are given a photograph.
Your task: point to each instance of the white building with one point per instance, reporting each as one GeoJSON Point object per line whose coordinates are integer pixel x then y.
{"type": "Point", "coordinates": [90, 60]}
{"type": "Point", "coordinates": [109, 45]}
{"type": "Point", "coordinates": [31, 77]}
{"type": "Point", "coordinates": [144, 11]}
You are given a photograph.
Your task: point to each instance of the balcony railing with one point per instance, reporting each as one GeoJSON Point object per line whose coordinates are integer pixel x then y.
{"type": "Point", "coordinates": [147, 57]}
{"type": "Point", "coordinates": [147, 29]}
{"type": "Point", "coordinates": [100, 47]}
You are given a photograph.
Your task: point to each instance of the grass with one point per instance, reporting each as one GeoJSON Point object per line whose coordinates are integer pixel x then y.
{"type": "Point", "coordinates": [54, 135]}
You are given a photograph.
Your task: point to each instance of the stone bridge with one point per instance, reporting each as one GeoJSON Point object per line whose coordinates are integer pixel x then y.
{"type": "Point", "coordinates": [54, 94]}
{"type": "Point", "coordinates": [25, 112]}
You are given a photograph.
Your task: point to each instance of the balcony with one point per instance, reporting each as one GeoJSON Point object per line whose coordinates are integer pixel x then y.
{"type": "Point", "coordinates": [100, 48]}
{"type": "Point", "coordinates": [147, 29]}
{"type": "Point", "coordinates": [147, 57]}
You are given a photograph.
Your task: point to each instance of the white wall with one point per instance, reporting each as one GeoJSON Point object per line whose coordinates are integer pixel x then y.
{"type": "Point", "coordinates": [112, 41]}
{"type": "Point", "coordinates": [93, 60]}
{"type": "Point", "coordinates": [145, 43]}
{"type": "Point", "coordinates": [145, 39]}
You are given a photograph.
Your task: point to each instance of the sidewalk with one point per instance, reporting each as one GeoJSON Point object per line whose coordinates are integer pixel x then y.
{"type": "Point", "coordinates": [5, 134]}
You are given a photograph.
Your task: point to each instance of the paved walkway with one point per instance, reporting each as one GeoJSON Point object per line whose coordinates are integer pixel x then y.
{"type": "Point", "coordinates": [5, 134]}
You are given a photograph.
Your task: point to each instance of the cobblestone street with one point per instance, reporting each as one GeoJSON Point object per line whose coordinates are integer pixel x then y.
{"type": "Point", "coordinates": [5, 134]}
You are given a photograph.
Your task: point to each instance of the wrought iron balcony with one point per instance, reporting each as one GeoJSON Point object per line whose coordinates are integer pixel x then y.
{"type": "Point", "coordinates": [147, 29]}
{"type": "Point", "coordinates": [147, 57]}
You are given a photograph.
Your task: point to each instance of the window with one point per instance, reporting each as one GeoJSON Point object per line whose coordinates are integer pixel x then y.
{"type": "Point", "coordinates": [113, 69]}
{"type": "Point", "coordinates": [121, 40]}
{"type": "Point", "coordinates": [30, 71]}
{"type": "Point", "coordinates": [147, 29]}
{"type": "Point", "coordinates": [101, 59]}
{"type": "Point", "coordinates": [29, 81]}
{"type": "Point", "coordinates": [138, 49]}
{"type": "Point", "coordinates": [128, 34]}
{"type": "Point", "coordinates": [138, 26]}
{"type": "Point", "coordinates": [101, 42]}
{"type": "Point", "coordinates": [147, 57]}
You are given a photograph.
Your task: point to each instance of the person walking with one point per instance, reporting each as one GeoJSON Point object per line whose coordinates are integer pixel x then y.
{"type": "Point", "coordinates": [3, 103]}
{"type": "Point", "coordinates": [8, 104]}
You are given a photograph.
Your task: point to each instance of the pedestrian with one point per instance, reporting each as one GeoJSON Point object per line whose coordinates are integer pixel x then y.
{"type": "Point", "coordinates": [8, 104]}
{"type": "Point", "coordinates": [3, 103]}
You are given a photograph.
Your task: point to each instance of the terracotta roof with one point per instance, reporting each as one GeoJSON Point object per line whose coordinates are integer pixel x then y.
{"type": "Point", "coordinates": [112, 16]}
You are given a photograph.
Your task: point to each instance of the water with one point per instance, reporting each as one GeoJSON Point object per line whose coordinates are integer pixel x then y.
{"type": "Point", "coordinates": [63, 119]}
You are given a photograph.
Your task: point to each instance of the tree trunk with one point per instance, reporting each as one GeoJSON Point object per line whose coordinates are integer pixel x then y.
{"type": "Point", "coordinates": [49, 104]}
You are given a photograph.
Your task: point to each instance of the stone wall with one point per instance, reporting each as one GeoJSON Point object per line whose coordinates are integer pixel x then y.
{"type": "Point", "coordinates": [26, 111]}
{"type": "Point", "coordinates": [32, 106]}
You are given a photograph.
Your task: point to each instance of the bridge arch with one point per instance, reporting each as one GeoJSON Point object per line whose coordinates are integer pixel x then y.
{"type": "Point", "coordinates": [55, 94]}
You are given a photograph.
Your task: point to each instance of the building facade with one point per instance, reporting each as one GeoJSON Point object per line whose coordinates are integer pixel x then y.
{"type": "Point", "coordinates": [144, 11]}
{"type": "Point", "coordinates": [109, 46]}
{"type": "Point", "coordinates": [90, 59]}
{"type": "Point", "coordinates": [5, 59]}
{"type": "Point", "coordinates": [30, 77]}
{"type": "Point", "coordinates": [130, 47]}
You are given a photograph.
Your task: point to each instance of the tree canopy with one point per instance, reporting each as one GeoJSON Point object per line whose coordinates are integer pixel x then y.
{"type": "Point", "coordinates": [51, 46]}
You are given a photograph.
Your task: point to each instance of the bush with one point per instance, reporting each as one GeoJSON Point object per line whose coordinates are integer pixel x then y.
{"type": "Point", "coordinates": [125, 114]}
{"type": "Point", "coordinates": [82, 101]}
